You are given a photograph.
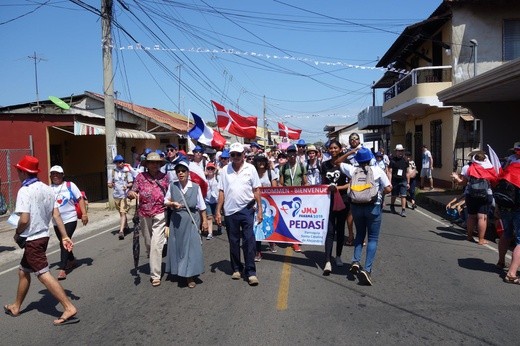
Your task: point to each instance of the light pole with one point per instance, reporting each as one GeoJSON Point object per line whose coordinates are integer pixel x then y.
{"type": "Point", "coordinates": [474, 45]}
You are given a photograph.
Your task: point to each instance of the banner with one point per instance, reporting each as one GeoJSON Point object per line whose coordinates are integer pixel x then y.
{"type": "Point", "coordinates": [294, 214]}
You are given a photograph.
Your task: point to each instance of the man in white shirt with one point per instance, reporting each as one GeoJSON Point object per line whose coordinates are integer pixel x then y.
{"type": "Point", "coordinates": [238, 192]}
{"type": "Point", "coordinates": [35, 206]}
{"type": "Point", "coordinates": [427, 167]}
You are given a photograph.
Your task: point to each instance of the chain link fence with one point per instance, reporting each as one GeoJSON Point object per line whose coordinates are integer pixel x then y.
{"type": "Point", "coordinates": [9, 182]}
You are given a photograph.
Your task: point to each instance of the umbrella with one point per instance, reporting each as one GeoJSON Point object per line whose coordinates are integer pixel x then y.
{"type": "Point", "coordinates": [135, 242]}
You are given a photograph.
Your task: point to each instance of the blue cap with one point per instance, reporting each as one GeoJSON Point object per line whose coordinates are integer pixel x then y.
{"type": "Point", "coordinates": [198, 148]}
{"type": "Point", "coordinates": [160, 152]}
{"type": "Point", "coordinates": [363, 155]}
{"type": "Point", "coordinates": [301, 142]}
{"type": "Point", "coordinates": [147, 151]}
{"type": "Point", "coordinates": [118, 158]}
{"type": "Point", "coordinates": [171, 145]}
{"type": "Point", "coordinates": [225, 154]}
{"type": "Point", "coordinates": [291, 147]}
{"type": "Point", "coordinates": [254, 145]}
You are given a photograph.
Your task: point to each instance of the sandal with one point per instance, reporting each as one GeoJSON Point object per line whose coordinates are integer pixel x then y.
{"type": "Point", "coordinates": [511, 280]}
{"type": "Point", "coordinates": [156, 282]}
{"type": "Point", "coordinates": [191, 283]}
{"type": "Point", "coordinates": [62, 275]}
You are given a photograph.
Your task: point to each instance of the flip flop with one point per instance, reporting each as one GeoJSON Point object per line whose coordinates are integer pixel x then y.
{"type": "Point", "coordinates": [66, 321]}
{"type": "Point", "coordinates": [9, 312]}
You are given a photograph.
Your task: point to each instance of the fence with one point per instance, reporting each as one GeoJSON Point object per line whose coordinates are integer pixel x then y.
{"type": "Point", "coordinates": [9, 181]}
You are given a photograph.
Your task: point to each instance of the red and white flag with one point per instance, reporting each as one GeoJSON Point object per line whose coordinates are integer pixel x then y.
{"type": "Point", "coordinates": [234, 123]}
{"type": "Point", "coordinates": [285, 131]}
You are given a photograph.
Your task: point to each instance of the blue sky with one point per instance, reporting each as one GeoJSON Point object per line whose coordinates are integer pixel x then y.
{"type": "Point", "coordinates": [312, 60]}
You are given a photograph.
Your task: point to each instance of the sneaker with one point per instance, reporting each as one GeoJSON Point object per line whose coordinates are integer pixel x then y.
{"type": "Point", "coordinates": [327, 269]}
{"type": "Point", "coordinates": [297, 248]}
{"type": "Point", "coordinates": [272, 247]}
{"type": "Point", "coordinates": [339, 262]}
{"type": "Point", "coordinates": [236, 276]}
{"type": "Point", "coordinates": [258, 257]}
{"type": "Point", "coordinates": [403, 213]}
{"type": "Point", "coordinates": [364, 278]}
{"type": "Point", "coordinates": [252, 280]}
{"type": "Point", "coordinates": [209, 237]}
{"type": "Point", "coordinates": [121, 236]}
{"type": "Point", "coordinates": [354, 267]}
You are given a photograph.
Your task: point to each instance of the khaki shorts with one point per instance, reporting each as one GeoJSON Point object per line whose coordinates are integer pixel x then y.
{"type": "Point", "coordinates": [122, 205]}
{"type": "Point", "coordinates": [426, 173]}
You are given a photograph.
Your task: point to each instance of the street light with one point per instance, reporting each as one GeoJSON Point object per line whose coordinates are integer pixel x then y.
{"type": "Point", "coordinates": [474, 45]}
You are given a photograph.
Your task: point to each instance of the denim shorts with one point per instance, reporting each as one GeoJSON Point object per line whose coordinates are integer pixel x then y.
{"type": "Point", "coordinates": [511, 222]}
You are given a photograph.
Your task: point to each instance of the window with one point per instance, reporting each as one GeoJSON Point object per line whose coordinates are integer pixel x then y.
{"type": "Point", "coordinates": [436, 142]}
{"type": "Point", "coordinates": [511, 39]}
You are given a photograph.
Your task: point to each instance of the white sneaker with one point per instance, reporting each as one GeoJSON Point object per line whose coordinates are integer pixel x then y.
{"type": "Point", "coordinates": [209, 237]}
{"type": "Point", "coordinates": [339, 262]}
{"type": "Point", "coordinates": [327, 269]}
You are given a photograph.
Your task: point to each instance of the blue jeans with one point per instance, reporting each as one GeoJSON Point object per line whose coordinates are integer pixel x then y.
{"type": "Point", "coordinates": [511, 222]}
{"type": "Point", "coordinates": [238, 223]}
{"type": "Point", "coordinates": [367, 218]}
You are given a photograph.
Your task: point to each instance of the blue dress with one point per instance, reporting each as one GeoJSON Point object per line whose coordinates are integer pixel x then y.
{"type": "Point", "coordinates": [184, 257]}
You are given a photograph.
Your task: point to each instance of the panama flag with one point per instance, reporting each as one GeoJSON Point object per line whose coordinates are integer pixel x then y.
{"type": "Point", "coordinates": [234, 123]}
{"type": "Point", "coordinates": [285, 131]}
{"type": "Point", "coordinates": [205, 135]}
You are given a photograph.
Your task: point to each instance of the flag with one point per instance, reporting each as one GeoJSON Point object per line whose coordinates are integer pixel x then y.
{"type": "Point", "coordinates": [205, 135]}
{"type": "Point", "coordinates": [495, 161]}
{"type": "Point", "coordinates": [512, 173]}
{"type": "Point", "coordinates": [234, 123]}
{"type": "Point", "coordinates": [198, 176]}
{"type": "Point", "coordinates": [484, 170]}
{"type": "Point", "coordinates": [284, 131]}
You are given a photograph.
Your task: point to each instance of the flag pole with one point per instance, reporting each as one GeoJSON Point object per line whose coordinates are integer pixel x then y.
{"type": "Point", "coordinates": [266, 135]}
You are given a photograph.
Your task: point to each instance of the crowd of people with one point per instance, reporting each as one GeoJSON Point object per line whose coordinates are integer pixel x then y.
{"type": "Point", "coordinates": [183, 197]}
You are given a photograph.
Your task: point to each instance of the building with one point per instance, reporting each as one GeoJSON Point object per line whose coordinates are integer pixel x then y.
{"type": "Point", "coordinates": [460, 39]}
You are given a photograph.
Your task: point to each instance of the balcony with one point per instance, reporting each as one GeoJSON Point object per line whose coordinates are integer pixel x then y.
{"type": "Point", "coordinates": [413, 94]}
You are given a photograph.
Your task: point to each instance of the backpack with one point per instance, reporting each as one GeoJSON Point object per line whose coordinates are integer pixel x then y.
{"type": "Point", "coordinates": [506, 195]}
{"type": "Point", "coordinates": [477, 188]}
{"type": "Point", "coordinates": [363, 188]}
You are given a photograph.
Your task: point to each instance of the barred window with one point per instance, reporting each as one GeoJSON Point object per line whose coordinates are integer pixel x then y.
{"type": "Point", "coordinates": [511, 38]}
{"type": "Point", "coordinates": [436, 142]}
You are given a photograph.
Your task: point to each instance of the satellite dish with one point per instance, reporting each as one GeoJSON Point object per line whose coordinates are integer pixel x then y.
{"type": "Point", "coordinates": [59, 102]}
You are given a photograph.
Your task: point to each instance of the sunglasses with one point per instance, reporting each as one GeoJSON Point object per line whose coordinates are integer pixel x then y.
{"type": "Point", "coordinates": [354, 139]}
{"type": "Point", "coordinates": [224, 158]}
{"type": "Point", "coordinates": [181, 170]}
{"type": "Point", "coordinates": [235, 154]}
{"type": "Point", "coordinates": [172, 149]}
{"type": "Point", "coordinates": [210, 169]}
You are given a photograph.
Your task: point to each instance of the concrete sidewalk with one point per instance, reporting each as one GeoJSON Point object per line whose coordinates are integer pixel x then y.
{"type": "Point", "coordinates": [100, 218]}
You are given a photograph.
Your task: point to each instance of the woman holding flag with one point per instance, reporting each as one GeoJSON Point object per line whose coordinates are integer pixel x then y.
{"type": "Point", "coordinates": [478, 175]}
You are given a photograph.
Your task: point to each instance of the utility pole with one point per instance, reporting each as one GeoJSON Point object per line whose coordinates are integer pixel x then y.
{"type": "Point", "coordinates": [36, 61]}
{"type": "Point", "coordinates": [266, 134]}
{"type": "Point", "coordinates": [108, 88]}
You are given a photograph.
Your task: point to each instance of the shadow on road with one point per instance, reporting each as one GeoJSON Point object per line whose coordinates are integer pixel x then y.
{"type": "Point", "coordinates": [478, 264]}
{"type": "Point", "coordinates": [7, 248]}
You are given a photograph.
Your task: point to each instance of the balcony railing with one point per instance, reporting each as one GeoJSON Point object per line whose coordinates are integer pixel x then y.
{"type": "Point", "coordinates": [435, 74]}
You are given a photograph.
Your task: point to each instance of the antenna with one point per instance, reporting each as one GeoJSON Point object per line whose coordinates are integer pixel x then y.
{"type": "Point", "coordinates": [36, 59]}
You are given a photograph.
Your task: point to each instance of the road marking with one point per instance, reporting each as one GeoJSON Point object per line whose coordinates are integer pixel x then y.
{"type": "Point", "coordinates": [461, 232]}
{"type": "Point", "coordinates": [285, 278]}
{"type": "Point", "coordinates": [57, 250]}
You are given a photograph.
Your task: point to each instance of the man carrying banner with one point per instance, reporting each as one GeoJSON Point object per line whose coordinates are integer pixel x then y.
{"type": "Point", "coordinates": [293, 173]}
{"type": "Point", "coordinates": [238, 192]}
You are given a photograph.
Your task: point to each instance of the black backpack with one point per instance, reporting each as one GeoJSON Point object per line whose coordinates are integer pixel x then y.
{"type": "Point", "coordinates": [506, 195]}
{"type": "Point", "coordinates": [478, 188]}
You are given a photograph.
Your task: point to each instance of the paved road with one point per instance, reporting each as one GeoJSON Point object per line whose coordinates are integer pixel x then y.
{"type": "Point", "coordinates": [430, 287]}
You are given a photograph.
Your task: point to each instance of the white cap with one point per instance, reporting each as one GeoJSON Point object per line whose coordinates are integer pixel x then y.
{"type": "Point", "coordinates": [236, 147]}
{"type": "Point", "coordinates": [57, 169]}
{"type": "Point", "coordinates": [399, 147]}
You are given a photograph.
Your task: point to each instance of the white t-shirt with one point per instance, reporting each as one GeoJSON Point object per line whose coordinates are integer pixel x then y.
{"type": "Point", "coordinates": [380, 177]}
{"type": "Point", "coordinates": [120, 178]}
{"type": "Point", "coordinates": [212, 196]}
{"type": "Point", "coordinates": [238, 187]}
{"type": "Point", "coordinates": [426, 156]}
{"type": "Point", "coordinates": [264, 180]}
{"type": "Point", "coordinates": [38, 200]}
{"type": "Point", "coordinates": [201, 203]}
{"type": "Point", "coordinates": [65, 202]}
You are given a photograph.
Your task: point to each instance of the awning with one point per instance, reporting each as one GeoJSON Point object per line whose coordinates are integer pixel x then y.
{"type": "Point", "coordinates": [82, 129]}
{"type": "Point", "coordinates": [467, 117]}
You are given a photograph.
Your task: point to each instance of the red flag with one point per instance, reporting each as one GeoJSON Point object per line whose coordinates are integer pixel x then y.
{"type": "Point", "coordinates": [478, 171]}
{"type": "Point", "coordinates": [284, 131]}
{"type": "Point", "coordinates": [512, 174]}
{"type": "Point", "coordinates": [234, 123]}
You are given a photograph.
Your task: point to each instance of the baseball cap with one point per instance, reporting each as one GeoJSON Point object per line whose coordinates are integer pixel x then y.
{"type": "Point", "coordinates": [225, 154]}
{"type": "Point", "coordinates": [291, 147]}
{"type": "Point", "coordinates": [236, 147]}
{"type": "Point", "coordinates": [57, 169]}
{"type": "Point", "coordinates": [118, 158]}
